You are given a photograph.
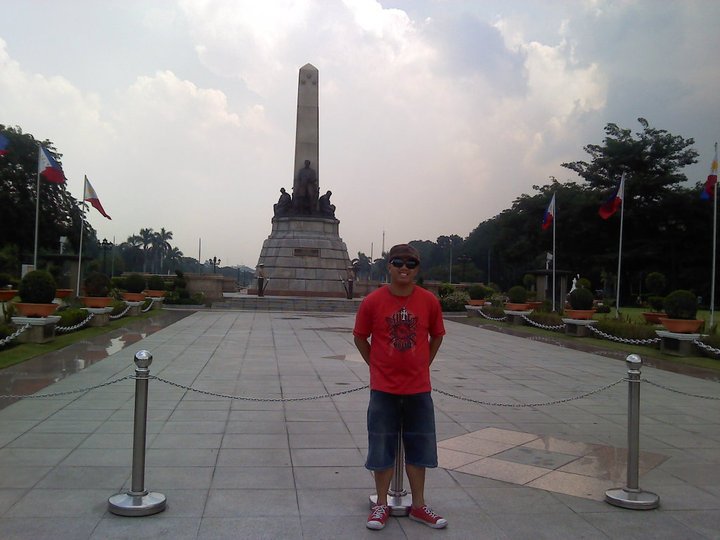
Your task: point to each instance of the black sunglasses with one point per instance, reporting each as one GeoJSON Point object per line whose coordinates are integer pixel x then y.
{"type": "Point", "coordinates": [408, 263]}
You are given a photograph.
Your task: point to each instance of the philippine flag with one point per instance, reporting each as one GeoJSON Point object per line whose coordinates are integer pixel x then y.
{"type": "Point", "coordinates": [4, 142]}
{"type": "Point", "coordinates": [711, 179]}
{"type": "Point", "coordinates": [92, 198]}
{"type": "Point", "coordinates": [49, 168]}
{"type": "Point", "coordinates": [549, 214]}
{"type": "Point", "coordinates": [611, 206]}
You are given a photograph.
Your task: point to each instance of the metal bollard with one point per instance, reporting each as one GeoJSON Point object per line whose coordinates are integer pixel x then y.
{"type": "Point", "coordinates": [631, 496]}
{"type": "Point", "coordinates": [399, 500]}
{"type": "Point", "coordinates": [138, 501]}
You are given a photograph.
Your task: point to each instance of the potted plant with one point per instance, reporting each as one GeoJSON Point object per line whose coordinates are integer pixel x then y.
{"type": "Point", "coordinates": [155, 287]}
{"type": "Point", "coordinates": [681, 309]}
{"type": "Point", "coordinates": [517, 299]}
{"type": "Point", "coordinates": [581, 304]}
{"type": "Point", "coordinates": [37, 292]}
{"type": "Point", "coordinates": [97, 291]}
{"type": "Point", "coordinates": [7, 292]}
{"type": "Point", "coordinates": [477, 295]}
{"type": "Point", "coordinates": [134, 287]}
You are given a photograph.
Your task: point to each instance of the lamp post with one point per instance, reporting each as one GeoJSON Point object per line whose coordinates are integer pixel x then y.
{"type": "Point", "coordinates": [105, 245]}
{"type": "Point", "coordinates": [215, 263]}
{"type": "Point", "coordinates": [463, 260]}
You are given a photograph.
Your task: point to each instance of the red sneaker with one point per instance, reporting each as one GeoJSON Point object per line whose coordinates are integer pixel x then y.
{"type": "Point", "coordinates": [378, 516]}
{"type": "Point", "coordinates": [428, 517]}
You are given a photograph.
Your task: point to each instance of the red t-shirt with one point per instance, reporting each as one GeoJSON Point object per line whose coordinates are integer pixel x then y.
{"type": "Point", "coordinates": [400, 327]}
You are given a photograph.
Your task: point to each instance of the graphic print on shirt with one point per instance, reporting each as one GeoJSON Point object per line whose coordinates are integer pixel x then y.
{"type": "Point", "coordinates": [402, 329]}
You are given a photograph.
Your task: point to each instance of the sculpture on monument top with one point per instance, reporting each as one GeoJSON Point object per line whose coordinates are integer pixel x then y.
{"type": "Point", "coordinates": [324, 207]}
{"type": "Point", "coordinates": [284, 204]}
{"type": "Point", "coordinates": [306, 191]}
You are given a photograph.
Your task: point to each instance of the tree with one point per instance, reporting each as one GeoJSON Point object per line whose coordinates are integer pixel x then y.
{"type": "Point", "coordinates": [146, 237]}
{"type": "Point", "coordinates": [161, 246]}
{"type": "Point", "coordinates": [59, 215]}
{"type": "Point", "coordinates": [651, 159]}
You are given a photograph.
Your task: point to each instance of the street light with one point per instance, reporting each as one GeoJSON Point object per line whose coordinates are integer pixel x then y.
{"type": "Point", "coordinates": [105, 245]}
{"type": "Point", "coordinates": [463, 260]}
{"type": "Point", "coordinates": [215, 263]}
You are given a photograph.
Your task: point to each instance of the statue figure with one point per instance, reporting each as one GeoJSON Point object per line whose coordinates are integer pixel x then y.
{"type": "Point", "coordinates": [326, 209]}
{"type": "Point", "coordinates": [574, 283]}
{"type": "Point", "coordinates": [306, 190]}
{"type": "Point", "coordinates": [283, 206]}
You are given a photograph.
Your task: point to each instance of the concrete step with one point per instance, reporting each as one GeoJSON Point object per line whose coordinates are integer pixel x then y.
{"type": "Point", "coordinates": [288, 303]}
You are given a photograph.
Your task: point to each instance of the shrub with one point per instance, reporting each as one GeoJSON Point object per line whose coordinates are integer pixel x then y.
{"type": "Point", "coordinates": [445, 289]}
{"type": "Point", "coordinates": [626, 330]}
{"type": "Point", "coordinates": [118, 306]}
{"type": "Point", "coordinates": [37, 287]}
{"type": "Point", "coordinates": [496, 312]}
{"type": "Point", "coordinates": [656, 302]}
{"type": "Point", "coordinates": [6, 280]}
{"type": "Point", "coordinates": [681, 304]}
{"type": "Point", "coordinates": [72, 316]}
{"type": "Point", "coordinates": [546, 318]}
{"type": "Point", "coordinates": [156, 283]}
{"type": "Point", "coordinates": [584, 283]}
{"type": "Point", "coordinates": [602, 309]}
{"type": "Point", "coordinates": [655, 283]}
{"type": "Point", "coordinates": [477, 292]}
{"type": "Point", "coordinates": [134, 283]}
{"type": "Point", "coordinates": [517, 294]}
{"type": "Point", "coordinates": [97, 284]}
{"type": "Point", "coordinates": [581, 298]}
{"type": "Point", "coordinates": [117, 282]}
{"type": "Point", "coordinates": [455, 301]}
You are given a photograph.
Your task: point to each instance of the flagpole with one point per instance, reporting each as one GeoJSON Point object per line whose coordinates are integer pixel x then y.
{"type": "Point", "coordinates": [554, 225]}
{"type": "Point", "coordinates": [37, 212]}
{"type": "Point", "coordinates": [82, 230]}
{"type": "Point", "coordinates": [622, 215]}
{"type": "Point", "coordinates": [714, 249]}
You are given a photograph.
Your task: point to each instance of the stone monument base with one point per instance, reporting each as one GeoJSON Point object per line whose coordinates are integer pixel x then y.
{"type": "Point", "coordinates": [304, 256]}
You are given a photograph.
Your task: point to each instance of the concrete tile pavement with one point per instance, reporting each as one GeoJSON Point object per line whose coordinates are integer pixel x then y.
{"type": "Point", "coordinates": [294, 469]}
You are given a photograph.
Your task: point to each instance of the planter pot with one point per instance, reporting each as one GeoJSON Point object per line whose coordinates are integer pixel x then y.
{"type": "Point", "coordinates": [63, 293]}
{"type": "Point", "coordinates": [159, 294]}
{"type": "Point", "coordinates": [681, 326]}
{"type": "Point", "coordinates": [96, 301]}
{"type": "Point", "coordinates": [511, 306]}
{"type": "Point", "coordinates": [477, 302]}
{"type": "Point", "coordinates": [534, 305]}
{"type": "Point", "coordinates": [25, 309]}
{"type": "Point", "coordinates": [7, 294]}
{"type": "Point", "coordinates": [579, 314]}
{"type": "Point", "coordinates": [653, 317]}
{"type": "Point", "coordinates": [133, 296]}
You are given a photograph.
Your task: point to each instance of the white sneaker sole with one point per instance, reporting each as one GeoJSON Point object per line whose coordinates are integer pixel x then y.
{"type": "Point", "coordinates": [441, 524]}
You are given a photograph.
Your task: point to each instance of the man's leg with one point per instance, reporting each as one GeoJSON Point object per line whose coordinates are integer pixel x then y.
{"type": "Point", "coordinates": [382, 484]}
{"type": "Point", "coordinates": [416, 477]}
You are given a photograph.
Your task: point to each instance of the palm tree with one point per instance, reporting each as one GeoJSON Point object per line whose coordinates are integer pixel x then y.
{"type": "Point", "coordinates": [173, 257]}
{"type": "Point", "coordinates": [161, 245]}
{"type": "Point", "coordinates": [146, 237]}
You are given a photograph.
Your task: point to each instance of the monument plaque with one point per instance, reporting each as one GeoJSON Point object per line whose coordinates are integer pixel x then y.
{"type": "Point", "coordinates": [304, 254]}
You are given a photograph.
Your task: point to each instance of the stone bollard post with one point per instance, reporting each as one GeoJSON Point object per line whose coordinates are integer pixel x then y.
{"type": "Point", "coordinates": [631, 496]}
{"type": "Point", "coordinates": [399, 500]}
{"type": "Point", "coordinates": [138, 501]}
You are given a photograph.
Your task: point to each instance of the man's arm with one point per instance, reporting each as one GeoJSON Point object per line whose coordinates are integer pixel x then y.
{"type": "Point", "coordinates": [363, 345]}
{"type": "Point", "coordinates": [435, 343]}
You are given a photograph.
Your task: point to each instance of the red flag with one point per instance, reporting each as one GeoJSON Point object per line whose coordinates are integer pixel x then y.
{"type": "Point", "coordinates": [711, 179]}
{"type": "Point", "coordinates": [49, 168]}
{"type": "Point", "coordinates": [611, 206]}
{"type": "Point", "coordinates": [91, 197]}
{"type": "Point", "coordinates": [549, 214]}
{"type": "Point", "coordinates": [4, 142]}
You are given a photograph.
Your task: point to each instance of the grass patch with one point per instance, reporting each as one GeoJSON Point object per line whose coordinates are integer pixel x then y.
{"type": "Point", "coordinates": [25, 351]}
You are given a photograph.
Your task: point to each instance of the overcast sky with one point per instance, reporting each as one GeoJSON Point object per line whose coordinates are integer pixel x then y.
{"type": "Point", "coordinates": [434, 114]}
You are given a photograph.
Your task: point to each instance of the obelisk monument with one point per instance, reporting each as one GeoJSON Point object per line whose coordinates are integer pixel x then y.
{"type": "Point", "coordinates": [304, 254]}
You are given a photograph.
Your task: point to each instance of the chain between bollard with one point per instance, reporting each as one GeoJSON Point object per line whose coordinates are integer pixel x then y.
{"type": "Point", "coordinates": [681, 392]}
{"type": "Point", "coordinates": [14, 335]}
{"type": "Point", "coordinates": [247, 398]}
{"type": "Point", "coordinates": [67, 392]}
{"type": "Point", "coordinates": [542, 404]}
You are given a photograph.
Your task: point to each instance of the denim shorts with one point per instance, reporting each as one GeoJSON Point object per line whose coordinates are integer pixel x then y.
{"type": "Point", "coordinates": [386, 413]}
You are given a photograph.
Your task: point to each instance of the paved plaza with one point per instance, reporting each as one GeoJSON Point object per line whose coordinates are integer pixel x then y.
{"type": "Point", "coordinates": [270, 467]}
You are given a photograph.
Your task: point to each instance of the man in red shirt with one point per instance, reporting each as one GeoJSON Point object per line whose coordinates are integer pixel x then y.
{"type": "Point", "coordinates": [398, 331]}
